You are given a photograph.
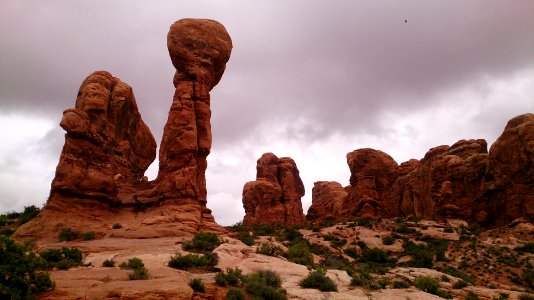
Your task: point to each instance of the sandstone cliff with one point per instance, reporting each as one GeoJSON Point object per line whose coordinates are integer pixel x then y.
{"type": "Point", "coordinates": [274, 197]}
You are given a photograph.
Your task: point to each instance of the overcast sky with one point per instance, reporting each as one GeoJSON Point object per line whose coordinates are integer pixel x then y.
{"type": "Point", "coordinates": [312, 80]}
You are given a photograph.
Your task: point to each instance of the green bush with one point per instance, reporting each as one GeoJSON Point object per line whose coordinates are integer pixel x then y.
{"type": "Point", "coordinates": [180, 261]}
{"type": "Point", "coordinates": [430, 285]}
{"type": "Point", "coordinates": [269, 249]}
{"type": "Point", "coordinates": [246, 238]}
{"type": "Point", "coordinates": [400, 284]}
{"type": "Point", "coordinates": [109, 263]}
{"type": "Point", "coordinates": [116, 226]}
{"type": "Point", "coordinates": [300, 253]}
{"type": "Point", "coordinates": [422, 257]}
{"type": "Point", "coordinates": [528, 247]}
{"type": "Point", "coordinates": [456, 273]}
{"type": "Point", "coordinates": [352, 252]}
{"type": "Point", "coordinates": [21, 271]}
{"type": "Point", "coordinates": [233, 276]}
{"type": "Point", "coordinates": [317, 280]}
{"type": "Point", "coordinates": [388, 240]}
{"type": "Point", "coordinates": [448, 229]}
{"type": "Point", "coordinates": [265, 284]}
{"type": "Point", "coordinates": [471, 296]}
{"type": "Point", "coordinates": [526, 297]}
{"type": "Point", "coordinates": [139, 274]}
{"type": "Point", "coordinates": [63, 259]}
{"type": "Point", "coordinates": [203, 241]}
{"type": "Point", "coordinates": [459, 284]}
{"type": "Point", "coordinates": [374, 255]}
{"type": "Point", "coordinates": [528, 277]}
{"type": "Point", "coordinates": [89, 235]}
{"type": "Point", "coordinates": [234, 294]}
{"type": "Point", "coordinates": [67, 234]}
{"type": "Point", "coordinates": [29, 213]}
{"type": "Point", "coordinates": [197, 285]}
{"type": "Point", "coordinates": [133, 263]}
{"type": "Point", "coordinates": [366, 280]}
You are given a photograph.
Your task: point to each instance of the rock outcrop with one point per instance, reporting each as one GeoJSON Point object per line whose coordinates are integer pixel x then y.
{"type": "Point", "coordinates": [99, 179]}
{"type": "Point", "coordinates": [371, 193]}
{"type": "Point", "coordinates": [274, 197]}
{"type": "Point", "coordinates": [508, 189]}
{"type": "Point", "coordinates": [459, 181]}
{"type": "Point", "coordinates": [327, 201]}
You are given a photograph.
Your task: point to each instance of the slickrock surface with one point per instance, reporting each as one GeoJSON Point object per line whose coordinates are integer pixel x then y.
{"type": "Point", "coordinates": [99, 179]}
{"type": "Point", "coordinates": [274, 197]}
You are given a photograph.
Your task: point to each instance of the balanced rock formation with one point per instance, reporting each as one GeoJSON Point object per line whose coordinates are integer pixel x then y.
{"type": "Point", "coordinates": [99, 179]}
{"type": "Point", "coordinates": [327, 201]}
{"type": "Point", "coordinates": [274, 197]}
{"type": "Point", "coordinates": [508, 189]}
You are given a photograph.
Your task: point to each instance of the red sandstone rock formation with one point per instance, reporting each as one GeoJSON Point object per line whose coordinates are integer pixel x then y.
{"type": "Point", "coordinates": [274, 197]}
{"type": "Point", "coordinates": [327, 201]}
{"type": "Point", "coordinates": [445, 182]}
{"type": "Point", "coordinates": [508, 190]}
{"type": "Point", "coordinates": [108, 148]}
{"type": "Point", "coordinates": [371, 193]}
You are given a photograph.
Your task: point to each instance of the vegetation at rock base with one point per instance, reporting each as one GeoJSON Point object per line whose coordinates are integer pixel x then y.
{"type": "Point", "coordinates": [197, 285]}
{"type": "Point", "coordinates": [318, 280]}
{"type": "Point", "coordinates": [63, 259]}
{"type": "Point", "coordinates": [207, 260]}
{"type": "Point", "coordinates": [139, 271]}
{"type": "Point", "coordinates": [265, 284]}
{"type": "Point", "coordinates": [300, 254]}
{"type": "Point", "coordinates": [269, 249]}
{"type": "Point", "coordinates": [234, 294]}
{"type": "Point", "coordinates": [471, 296]}
{"type": "Point", "coordinates": [68, 234]}
{"type": "Point", "coordinates": [203, 241]}
{"type": "Point", "coordinates": [89, 235]}
{"type": "Point", "coordinates": [22, 272]}
{"type": "Point", "coordinates": [116, 226]}
{"type": "Point", "coordinates": [233, 277]}
{"type": "Point", "coordinates": [431, 285]}
{"type": "Point", "coordinates": [109, 263]}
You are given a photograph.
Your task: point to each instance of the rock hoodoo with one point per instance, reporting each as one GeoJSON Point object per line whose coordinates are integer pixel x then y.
{"type": "Point", "coordinates": [274, 197]}
{"type": "Point", "coordinates": [99, 179]}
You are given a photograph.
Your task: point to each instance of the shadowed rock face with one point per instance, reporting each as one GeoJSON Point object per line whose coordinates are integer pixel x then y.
{"type": "Point", "coordinates": [106, 142]}
{"type": "Point", "coordinates": [274, 197]}
{"type": "Point", "coordinates": [99, 178]}
{"type": "Point", "coordinates": [327, 201]}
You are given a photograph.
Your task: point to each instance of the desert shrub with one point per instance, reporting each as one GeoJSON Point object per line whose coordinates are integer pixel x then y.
{"type": "Point", "coordinates": [365, 222]}
{"type": "Point", "coordinates": [246, 238]}
{"type": "Point", "coordinates": [89, 235]}
{"type": "Point", "coordinates": [68, 234]}
{"type": "Point", "coordinates": [388, 240]}
{"type": "Point", "coordinates": [292, 235]}
{"type": "Point", "coordinates": [116, 226]}
{"type": "Point", "coordinates": [269, 249]}
{"type": "Point", "coordinates": [366, 280]}
{"type": "Point", "coordinates": [422, 257]}
{"type": "Point", "coordinates": [317, 280]}
{"type": "Point", "coordinates": [203, 241]}
{"type": "Point", "coordinates": [109, 263]}
{"type": "Point", "coordinates": [404, 229]}
{"type": "Point", "coordinates": [375, 255]}
{"type": "Point", "coordinates": [7, 232]}
{"type": "Point", "coordinates": [180, 261]}
{"type": "Point", "coordinates": [471, 296]}
{"type": "Point", "coordinates": [456, 273]}
{"type": "Point", "coordinates": [430, 285]}
{"type": "Point", "coordinates": [459, 284]}
{"type": "Point", "coordinates": [29, 213]}
{"type": "Point", "coordinates": [139, 274]}
{"type": "Point", "coordinates": [352, 252]}
{"type": "Point", "coordinates": [400, 284]}
{"type": "Point", "coordinates": [265, 284]}
{"type": "Point", "coordinates": [528, 247]}
{"type": "Point", "coordinates": [233, 276]}
{"type": "Point", "coordinates": [448, 229]}
{"type": "Point", "coordinates": [337, 262]}
{"type": "Point", "coordinates": [63, 259]}
{"type": "Point", "coordinates": [4, 220]}
{"type": "Point", "coordinates": [235, 294]}
{"type": "Point", "coordinates": [21, 271]}
{"type": "Point", "coordinates": [133, 263]}
{"type": "Point", "coordinates": [300, 253]}
{"type": "Point", "coordinates": [526, 297]}
{"type": "Point", "coordinates": [361, 244]}
{"type": "Point", "coordinates": [197, 285]}
{"type": "Point", "coordinates": [528, 277]}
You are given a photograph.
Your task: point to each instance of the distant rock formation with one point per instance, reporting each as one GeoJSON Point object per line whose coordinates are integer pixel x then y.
{"type": "Point", "coordinates": [327, 201]}
{"type": "Point", "coordinates": [274, 197]}
{"type": "Point", "coordinates": [459, 181]}
{"type": "Point", "coordinates": [508, 189]}
{"type": "Point", "coordinates": [99, 179]}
